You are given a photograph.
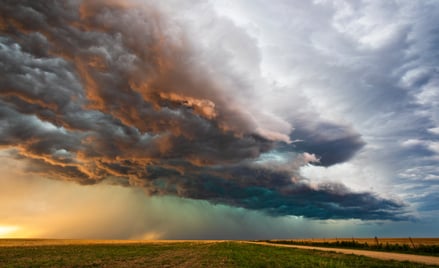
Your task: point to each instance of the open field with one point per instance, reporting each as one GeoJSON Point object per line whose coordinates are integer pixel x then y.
{"type": "Point", "coordinates": [101, 253]}
{"type": "Point", "coordinates": [12, 242]}
{"type": "Point", "coordinates": [433, 260]}
{"type": "Point", "coordinates": [420, 246]}
{"type": "Point", "coordinates": [371, 241]}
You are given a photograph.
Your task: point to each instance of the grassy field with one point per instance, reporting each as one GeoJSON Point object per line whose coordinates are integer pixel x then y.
{"type": "Point", "coordinates": [71, 253]}
{"type": "Point", "coordinates": [420, 246]}
{"type": "Point", "coordinates": [382, 240]}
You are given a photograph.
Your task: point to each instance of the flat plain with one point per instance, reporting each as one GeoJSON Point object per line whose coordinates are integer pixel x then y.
{"type": "Point", "coordinates": [400, 240]}
{"type": "Point", "coordinates": [129, 253]}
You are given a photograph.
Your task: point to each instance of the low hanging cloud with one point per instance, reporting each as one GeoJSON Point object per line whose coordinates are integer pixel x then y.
{"type": "Point", "coordinates": [95, 91]}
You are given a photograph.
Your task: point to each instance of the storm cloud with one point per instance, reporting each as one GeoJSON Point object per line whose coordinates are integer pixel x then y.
{"type": "Point", "coordinates": [95, 91]}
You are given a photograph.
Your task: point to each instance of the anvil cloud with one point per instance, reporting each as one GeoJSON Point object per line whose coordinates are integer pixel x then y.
{"type": "Point", "coordinates": [152, 96]}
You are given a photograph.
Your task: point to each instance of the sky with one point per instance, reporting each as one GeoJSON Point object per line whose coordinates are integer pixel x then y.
{"type": "Point", "coordinates": [222, 119]}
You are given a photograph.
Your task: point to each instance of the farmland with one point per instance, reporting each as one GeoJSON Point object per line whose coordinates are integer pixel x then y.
{"type": "Point", "coordinates": [93, 253]}
{"type": "Point", "coordinates": [421, 246]}
{"type": "Point", "coordinates": [399, 240]}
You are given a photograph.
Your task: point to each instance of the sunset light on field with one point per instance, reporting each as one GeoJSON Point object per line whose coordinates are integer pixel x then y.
{"type": "Point", "coordinates": [219, 119]}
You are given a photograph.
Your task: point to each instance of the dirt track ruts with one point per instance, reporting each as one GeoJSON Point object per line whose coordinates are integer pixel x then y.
{"type": "Point", "coordinates": [368, 253]}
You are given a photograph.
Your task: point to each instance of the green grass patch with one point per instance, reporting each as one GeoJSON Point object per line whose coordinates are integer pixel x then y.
{"type": "Point", "coordinates": [181, 254]}
{"type": "Point", "coordinates": [428, 250]}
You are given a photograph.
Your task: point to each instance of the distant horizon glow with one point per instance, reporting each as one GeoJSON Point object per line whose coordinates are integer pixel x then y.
{"type": "Point", "coordinates": [8, 231]}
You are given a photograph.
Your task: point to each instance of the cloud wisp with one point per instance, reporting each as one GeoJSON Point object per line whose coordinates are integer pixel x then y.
{"type": "Point", "coordinates": [95, 91]}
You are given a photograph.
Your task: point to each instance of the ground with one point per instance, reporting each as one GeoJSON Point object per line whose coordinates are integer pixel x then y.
{"type": "Point", "coordinates": [95, 253]}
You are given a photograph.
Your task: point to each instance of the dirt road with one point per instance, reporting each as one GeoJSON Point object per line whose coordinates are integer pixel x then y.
{"type": "Point", "coordinates": [367, 253]}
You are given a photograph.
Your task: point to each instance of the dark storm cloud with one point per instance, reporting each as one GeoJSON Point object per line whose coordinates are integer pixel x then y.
{"type": "Point", "coordinates": [332, 144]}
{"type": "Point", "coordinates": [274, 193]}
{"type": "Point", "coordinates": [105, 90]}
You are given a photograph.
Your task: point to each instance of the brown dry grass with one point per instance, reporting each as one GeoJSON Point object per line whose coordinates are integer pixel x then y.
{"type": "Point", "coordinates": [59, 242]}
{"type": "Point", "coordinates": [50, 242]}
{"type": "Point", "coordinates": [146, 253]}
